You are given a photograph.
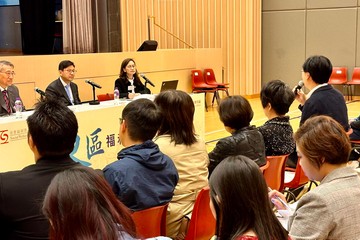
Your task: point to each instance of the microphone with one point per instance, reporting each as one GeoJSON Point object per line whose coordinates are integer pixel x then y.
{"type": "Point", "coordinates": [147, 80]}
{"type": "Point", "coordinates": [298, 87]}
{"type": "Point", "coordinates": [39, 91]}
{"type": "Point", "coordinates": [93, 83]}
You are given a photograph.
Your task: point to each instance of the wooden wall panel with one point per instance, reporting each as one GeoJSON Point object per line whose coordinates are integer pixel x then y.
{"type": "Point", "coordinates": [233, 25]}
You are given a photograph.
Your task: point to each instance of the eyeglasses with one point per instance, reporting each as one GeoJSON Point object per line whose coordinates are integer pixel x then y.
{"type": "Point", "coordinates": [121, 120]}
{"type": "Point", "coordinates": [71, 71]}
{"type": "Point", "coordinates": [9, 73]}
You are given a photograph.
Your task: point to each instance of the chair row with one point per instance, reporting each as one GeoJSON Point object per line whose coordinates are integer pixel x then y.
{"type": "Point", "coordinates": [339, 77]}
{"type": "Point", "coordinates": [206, 83]}
{"type": "Point", "coordinates": [152, 222]}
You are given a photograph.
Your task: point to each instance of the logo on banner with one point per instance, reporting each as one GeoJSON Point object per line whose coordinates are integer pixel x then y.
{"type": "Point", "coordinates": [4, 136]}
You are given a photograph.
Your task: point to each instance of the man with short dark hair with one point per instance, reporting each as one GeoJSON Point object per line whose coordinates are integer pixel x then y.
{"type": "Point", "coordinates": [63, 88]}
{"type": "Point", "coordinates": [9, 91]}
{"type": "Point", "coordinates": [142, 177]}
{"type": "Point", "coordinates": [322, 99]}
{"type": "Point", "coordinates": [51, 136]}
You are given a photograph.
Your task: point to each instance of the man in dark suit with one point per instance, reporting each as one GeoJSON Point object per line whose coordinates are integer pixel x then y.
{"type": "Point", "coordinates": [63, 88]}
{"type": "Point", "coordinates": [9, 91]}
{"type": "Point", "coordinates": [51, 136]}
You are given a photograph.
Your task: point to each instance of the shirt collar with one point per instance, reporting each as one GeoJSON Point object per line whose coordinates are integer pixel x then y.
{"type": "Point", "coordinates": [63, 83]}
{"type": "Point", "coordinates": [315, 88]}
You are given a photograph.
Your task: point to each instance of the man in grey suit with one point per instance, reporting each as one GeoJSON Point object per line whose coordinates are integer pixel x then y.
{"type": "Point", "coordinates": [9, 91]}
{"type": "Point", "coordinates": [63, 88]}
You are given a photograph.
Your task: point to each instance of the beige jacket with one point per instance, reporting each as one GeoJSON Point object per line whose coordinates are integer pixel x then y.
{"type": "Point", "coordinates": [331, 210]}
{"type": "Point", "coordinates": [191, 163]}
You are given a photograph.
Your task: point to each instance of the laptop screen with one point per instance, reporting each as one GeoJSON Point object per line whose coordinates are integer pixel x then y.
{"type": "Point", "coordinates": [168, 85]}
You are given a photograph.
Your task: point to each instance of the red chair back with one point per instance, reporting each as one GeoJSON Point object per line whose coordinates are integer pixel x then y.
{"type": "Point", "coordinates": [210, 78]}
{"type": "Point", "coordinates": [198, 81]}
{"type": "Point", "coordinates": [266, 166]}
{"type": "Point", "coordinates": [151, 222]}
{"type": "Point", "coordinates": [274, 174]}
{"type": "Point", "coordinates": [299, 179]}
{"type": "Point", "coordinates": [338, 76]}
{"type": "Point", "coordinates": [355, 76]}
{"type": "Point", "coordinates": [202, 224]}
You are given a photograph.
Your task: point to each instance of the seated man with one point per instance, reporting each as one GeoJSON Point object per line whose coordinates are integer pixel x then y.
{"type": "Point", "coordinates": [63, 88]}
{"type": "Point", "coordinates": [142, 177]}
{"type": "Point", "coordinates": [9, 91]}
{"type": "Point", "coordinates": [52, 132]}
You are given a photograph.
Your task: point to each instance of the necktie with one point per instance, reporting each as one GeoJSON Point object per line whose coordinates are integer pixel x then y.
{"type": "Point", "coordinates": [7, 102]}
{"type": "Point", "coordinates": [67, 88]}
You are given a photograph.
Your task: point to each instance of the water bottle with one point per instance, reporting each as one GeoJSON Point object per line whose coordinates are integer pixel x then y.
{"type": "Point", "coordinates": [116, 95]}
{"type": "Point", "coordinates": [18, 108]}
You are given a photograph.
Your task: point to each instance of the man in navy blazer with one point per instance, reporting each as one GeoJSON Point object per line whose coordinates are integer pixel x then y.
{"type": "Point", "coordinates": [322, 99]}
{"type": "Point", "coordinates": [52, 132]}
{"type": "Point", "coordinates": [7, 75]}
{"type": "Point", "coordinates": [63, 88]}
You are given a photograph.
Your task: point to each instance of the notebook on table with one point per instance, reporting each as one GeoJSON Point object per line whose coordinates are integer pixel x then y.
{"type": "Point", "coordinates": [169, 85]}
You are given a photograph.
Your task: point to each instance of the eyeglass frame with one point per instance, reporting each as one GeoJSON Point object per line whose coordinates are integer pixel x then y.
{"type": "Point", "coordinates": [9, 73]}
{"type": "Point", "coordinates": [70, 71]}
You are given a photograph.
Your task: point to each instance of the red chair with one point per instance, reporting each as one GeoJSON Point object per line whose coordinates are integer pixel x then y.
{"type": "Point", "coordinates": [355, 80]}
{"type": "Point", "coordinates": [200, 86]}
{"type": "Point", "coordinates": [339, 77]}
{"type": "Point", "coordinates": [105, 97]}
{"type": "Point", "coordinates": [274, 174]}
{"type": "Point", "coordinates": [300, 179]}
{"type": "Point", "coordinates": [210, 79]}
{"type": "Point", "coordinates": [266, 166]}
{"type": "Point", "coordinates": [202, 223]}
{"type": "Point", "coordinates": [151, 222]}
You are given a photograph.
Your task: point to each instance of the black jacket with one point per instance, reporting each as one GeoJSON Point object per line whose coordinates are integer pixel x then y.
{"type": "Point", "coordinates": [122, 84]}
{"type": "Point", "coordinates": [247, 141]}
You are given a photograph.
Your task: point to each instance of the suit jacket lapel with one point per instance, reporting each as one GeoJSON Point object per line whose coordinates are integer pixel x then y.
{"type": "Point", "coordinates": [62, 90]}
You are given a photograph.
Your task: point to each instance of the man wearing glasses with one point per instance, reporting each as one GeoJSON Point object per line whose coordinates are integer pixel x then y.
{"type": "Point", "coordinates": [63, 88]}
{"type": "Point", "coordinates": [9, 91]}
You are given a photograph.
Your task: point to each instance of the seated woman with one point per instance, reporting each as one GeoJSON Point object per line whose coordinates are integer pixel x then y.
{"type": "Point", "coordinates": [236, 113]}
{"type": "Point", "coordinates": [80, 204]}
{"type": "Point", "coordinates": [129, 83]}
{"type": "Point", "coordinates": [242, 210]}
{"type": "Point", "coordinates": [177, 139]}
{"type": "Point", "coordinates": [276, 98]}
{"type": "Point", "coordinates": [330, 211]}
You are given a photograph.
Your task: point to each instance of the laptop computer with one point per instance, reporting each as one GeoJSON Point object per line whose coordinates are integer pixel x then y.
{"type": "Point", "coordinates": [169, 85]}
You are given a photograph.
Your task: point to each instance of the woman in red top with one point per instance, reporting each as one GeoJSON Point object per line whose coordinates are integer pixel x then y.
{"type": "Point", "coordinates": [240, 203]}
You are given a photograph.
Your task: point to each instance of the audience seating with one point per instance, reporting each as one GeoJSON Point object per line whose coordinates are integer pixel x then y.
{"type": "Point", "coordinates": [151, 222]}
{"type": "Point", "coordinates": [339, 77]}
{"type": "Point", "coordinates": [266, 166]}
{"type": "Point", "coordinates": [355, 80]}
{"type": "Point", "coordinates": [202, 223]}
{"type": "Point", "coordinates": [274, 174]}
{"type": "Point", "coordinates": [200, 86]}
{"type": "Point", "coordinates": [210, 79]}
{"type": "Point", "coordinates": [105, 97]}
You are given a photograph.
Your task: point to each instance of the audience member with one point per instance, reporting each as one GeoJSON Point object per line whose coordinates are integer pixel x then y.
{"type": "Point", "coordinates": [9, 91]}
{"type": "Point", "coordinates": [355, 125]}
{"type": "Point", "coordinates": [142, 177]}
{"type": "Point", "coordinates": [129, 83]}
{"type": "Point", "coordinates": [80, 204]}
{"type": "Point", "coordinates": [63, 88]}
{"type": "Point", "coordinates": [177, 139]}
{"type": "Point", "coordinates": [239, 202]}
{"type": "Point", "coordinates": [330, 211]}
{"type": "Point", "coordinates": [276, 99]}
{"type": "Point", "coordinates": [52, 132]}
{"type": "Point", "coordinates": [236, 113]}
{"type": "Point", "coordinates": [322, 99]}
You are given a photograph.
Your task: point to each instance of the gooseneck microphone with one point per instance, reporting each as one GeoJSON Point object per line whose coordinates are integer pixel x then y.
{"type": "Point", "coordinates": [39, 91]}
{"type": "Point", "coordinates": [147, 80]}
{"type": "Point", "coordinates": [93, 83]}
{"type": "Point", "coordinates": [298, 87]}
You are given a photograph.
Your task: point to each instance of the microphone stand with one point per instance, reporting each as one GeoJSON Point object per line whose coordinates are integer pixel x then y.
{"type": "Point", "coordinates": [94, 102]}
